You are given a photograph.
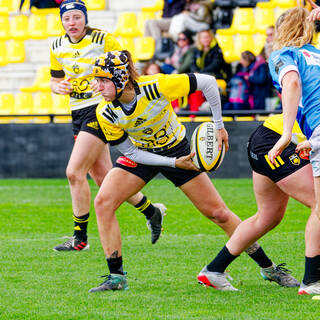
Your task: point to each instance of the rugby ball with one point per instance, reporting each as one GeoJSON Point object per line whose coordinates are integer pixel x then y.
{"type": "Point", "coordinates": [205, 145]}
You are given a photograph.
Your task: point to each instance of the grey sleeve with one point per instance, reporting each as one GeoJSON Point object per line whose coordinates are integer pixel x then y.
{"type": "Point", "coordinates": [128, 149]}
{"type": "Point", "coordinates": [208, 85]}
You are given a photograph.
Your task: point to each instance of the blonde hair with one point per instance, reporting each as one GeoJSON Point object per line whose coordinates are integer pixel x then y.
{"type": "Point", "coordinates": [198, 43]}
{"type": "Point", "coordinates": [293, 29]}
{"type": "Point", "coordinates": [133, 73]}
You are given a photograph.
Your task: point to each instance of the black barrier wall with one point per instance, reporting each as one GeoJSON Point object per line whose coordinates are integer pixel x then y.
{"type": "Point", "coordinates": [43, 150]}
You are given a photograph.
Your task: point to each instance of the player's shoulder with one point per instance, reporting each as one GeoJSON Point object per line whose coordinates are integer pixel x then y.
{"type": "Point", "coordinates": [97, 36]}
{"type": "Point", "coordinates": [58, 42]}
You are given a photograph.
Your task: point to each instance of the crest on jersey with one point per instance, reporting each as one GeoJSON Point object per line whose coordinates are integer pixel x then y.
{"type": "Point", "coordinates": [294, 159]}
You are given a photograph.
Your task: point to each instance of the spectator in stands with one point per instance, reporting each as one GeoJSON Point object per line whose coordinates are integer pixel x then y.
{"type": "Point", "coordinates": [155, 27]}
{"type": "Point", "coordinates": [151, 67]}
{"type": "Point", "coordinates": [267, 49]}
{"type": "Point", "coordinates": [72, 58]}
{"type": "Point", "coordinates": [180, 60]}
{"type": "Point", "coordinates": [198, 17]}
{"type": "Point", "coordinates": [208, 57]}
{"type": "Point", "coordinates": [42, 4]}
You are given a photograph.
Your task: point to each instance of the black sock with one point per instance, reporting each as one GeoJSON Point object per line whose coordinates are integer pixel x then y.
{"type": "Point", "coordinates": [312, 270]}
{"type": "Point", "coordinates": [261, 258]}
{"type": "Point", "coordinates": [115, 265]}
{"type": "Point", "coordinates": [146, 207]}
{"type": "Point", "coordinates": [80, 227]}
{"type": "Point", "coordinates": [221, 261]}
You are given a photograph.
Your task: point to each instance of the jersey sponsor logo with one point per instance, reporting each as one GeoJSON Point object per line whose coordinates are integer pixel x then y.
{"type": "Point", "coordinates": [139, 122]}
{"type": "Point", "coordinates": [127, 162]}
{"type": "Point", "coordinates": [312, 58]}
{"type": "Point", "coordinates": [277, 162]}
{"type": "Point", "coordinates": [109, 115]}
{"type": "Point", "coordinates": [148, 131]}
{"type": "Point", "coordinates": [93, 125]}
{"type": "Point", "coordinates": [294, 159]}
{"type": "Point", "coordinates": [278, 65]}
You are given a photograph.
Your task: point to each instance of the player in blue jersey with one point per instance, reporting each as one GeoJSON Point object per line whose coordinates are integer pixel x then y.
{"type": "Point", "coordinates": [295, 70]}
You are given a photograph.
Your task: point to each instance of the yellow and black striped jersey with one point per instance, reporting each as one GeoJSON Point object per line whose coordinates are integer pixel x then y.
{"type": "Point", "coordinates": [76, 60]}
{"type": "Point", "coordinates": [151, 123]}
{"type": "Point", "coordinates": [275, 123]}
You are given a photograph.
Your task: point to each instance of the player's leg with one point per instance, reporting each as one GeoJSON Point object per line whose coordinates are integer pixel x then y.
{"type": "Point", "coordinates": [86, 150]}
{"type": "Point", "coordinates": [117, 186]}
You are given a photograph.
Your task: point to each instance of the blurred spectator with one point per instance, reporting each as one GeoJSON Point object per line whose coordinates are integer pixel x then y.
{"type": "Point", "coordinates": [208, 57]}
{"type": "Point", "coordinates": [180, 60]}
{"type": "Point", "coordinates": [151, 67]}
{"type": "Point", "coordinates": [42, 4]}
{"type": "Point", "coordinates": [197, 17]}
{"type": "Point", "coordinates": [155, 27]}
{"type": "Point", "coordinates": [267, 49]}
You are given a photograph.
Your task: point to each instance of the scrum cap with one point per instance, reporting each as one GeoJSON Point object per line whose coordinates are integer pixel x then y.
{"type": "Point", "coordinates": [113, 65]}
{"type": "Point", "coordinates": [68, 5]}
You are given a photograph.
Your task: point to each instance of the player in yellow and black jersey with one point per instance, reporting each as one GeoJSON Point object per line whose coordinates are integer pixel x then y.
{"type": "Point", "coordinates": [137, 117]}
{"type": "Point", "coordinates": [273, 184]}
{"type": "Point", "coordinates": [72, 57]}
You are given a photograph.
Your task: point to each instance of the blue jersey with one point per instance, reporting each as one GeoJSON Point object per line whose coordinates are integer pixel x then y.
{"type": "Point", "coordinates": [305, 61]}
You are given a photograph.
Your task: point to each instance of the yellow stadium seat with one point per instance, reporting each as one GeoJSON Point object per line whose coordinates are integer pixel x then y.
{"type": "Point", "coordinates": [259, 42]}
{"type": "Point", "coordinates": [54, 26]}
{"type": "Point", "coordinates": [19, 27]}
{"type": "Point", "coordinates": [41, 82]}
{"type": "Point", "coordinates": [142, 17]}
{"type": "Point", "coordinates": [16, 52]}
{"type": "Point", "coordinates": [226, 43]}
{"type": "Point", "coordinates": [42, 104]}
{"type": "Point", "coordinates": [4, 27]}
{"type": "Point", "coordinates": [3, 54]}
{"type": "Point", "coordinates": [243, 42]}
{"type": "Point", "coordinates": [158, 6]}
{"type": "Point", "coordinates": [44, 12]}
{"type": "Point", "coordinates": [6, 107]}
{"type": "Point", "coordinates": [38, 26]}
{"type": "Point", "coordinates": [96, 4]}
{"type": "Point", "coordinates": [278, 12]}
{"type": "Point", "coordinates": [264, 18]}
{"type": "Point", "coordinates": [127, 25]}
{"type": "Point", "coordinates": [26, 5]}
{"type": "Point", "coordinates": [285, 3]}
{"type": "Point", "coordinates": [127, 44]}
{"type": "Point", "coordinates": [15, 5]}
{"type": "Point", "coordinates": [61, 106]}
{"type": "Point", "coordinates": [243, 20]}
{"type": "Point", "coordinates": [23, 105]}
{"type": "Point", "coordinates": [226, 32]}
{"type": "Point", "coordinates": [222, 84]}
{"type": "Point", "coordinates": [5, 7]}
{"type": "Point", "coordinates": [144, 48]}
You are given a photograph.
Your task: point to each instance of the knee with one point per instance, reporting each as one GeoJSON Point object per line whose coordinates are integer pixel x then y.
{"type": "Point", "coordinates": [220, 214]}
{"type": "Point", "coordinates": [73, 176]}
{"type": "Point", "coordinates": [266, 223]}
{"type": "Point", "coordinates": [105, 205]}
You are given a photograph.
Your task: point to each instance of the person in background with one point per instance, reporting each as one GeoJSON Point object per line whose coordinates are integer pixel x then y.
{"type": "Point", "coordinates": [41, 4]}
{"type": "Point", "coordinates": [156, 27]}
{"type": "Point", "coordinates": [151, 67]}
{"type": "Point", "coordinates": [72, 57]}
{"type": "Point", "coordinates": [267, 48]}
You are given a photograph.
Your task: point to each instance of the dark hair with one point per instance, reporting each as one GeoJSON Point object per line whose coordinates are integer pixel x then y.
{"type": "Point", "coordinates": [249, 56]}
{"type": "Point", "coordinates": [189, 35]}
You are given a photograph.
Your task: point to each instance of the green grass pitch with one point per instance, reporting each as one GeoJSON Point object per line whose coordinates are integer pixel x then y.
{"type": "Point", "coordinates": [38, 283]}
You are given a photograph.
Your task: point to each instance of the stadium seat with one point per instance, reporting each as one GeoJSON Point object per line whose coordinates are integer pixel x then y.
{"type": "Point", "coordinates": [226, 43]}
{"type": "Point", "coordinates": [144, 48]}
{"type": "Point", "coordinates": [142, 17]}
{"type": "Point", "coordinates": [158, 6]}
{"type": "Point", "coordinates": [23, 105]}
{"type": "Point", "coordinates": [54, 26]}
{"type": "Point", "coordinates": [127, 25]}
{"type": "Point", "coordinates": [243, 20]}
{"type": "Point", "coordinates": [44, 12]}
{"type": "Point", "coordinates": [243, 42]}
{"type": "Point", "coordinates": [3, 54]}
{"type": "Point", "coordinates": [127, 43]}
{"type": "Point", "coordinates": [5, 7]}
{"type": "Point", "coordinates": [16, 52]}
{"type": "Point", "coordinates": [284, 3]}
{"type": "Point", "coordinates": [61, 106]}
{"type": "Point", "coordinates": [96, 4]}
{"type": "Point", "coordinates": [259, 42]}
{"type": "Point", "coordinates": [41, 82]}
{"type": "Point", "coordinates": [278, 11]}
{"type": "Point", "coordinates": [19, 27]}
{"type": "Point", "coordinates": [38, 27]}
{"type": "Point", "coordinates": [6, 107]}
{"type": "Point", "coordinates": [42, 104]}
{"type": "Point", "coordinates": [4, 27]}
{"type": "Point", "coordinates": [264, 17]}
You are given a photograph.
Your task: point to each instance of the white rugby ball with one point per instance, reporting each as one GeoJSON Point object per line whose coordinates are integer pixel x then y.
{"type": "Point", "coordinates": [205, 145]}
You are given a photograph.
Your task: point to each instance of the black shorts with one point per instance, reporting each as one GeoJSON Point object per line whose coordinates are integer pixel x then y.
{"type": "Point", "coordinates": [86, 120]}
{"type": "Point", "coordinates": [177, 176]}
{"type": "Point", "coordinates": [260, 143]}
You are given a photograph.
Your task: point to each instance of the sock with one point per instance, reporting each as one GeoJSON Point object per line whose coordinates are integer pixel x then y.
{"type": "Point", "coordinates": [221, 261]}
{"type": "Point", "coordinates": [115, 265]}
{"type": "Point", "coordinates": [259, 256]}
{"type": "Point", "coordinates": [312, 270]}
{"type": "Point", "coordinates": [146, 207]}
{"type": "Point", "coordinates": [80, 227]}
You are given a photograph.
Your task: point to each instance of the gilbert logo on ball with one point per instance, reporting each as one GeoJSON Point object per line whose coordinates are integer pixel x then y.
{"type": "Point", "coordinates": [205, 145]}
